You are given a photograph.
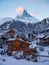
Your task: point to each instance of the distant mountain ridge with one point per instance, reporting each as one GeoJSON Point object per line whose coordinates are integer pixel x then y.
{"type": "Point", "coordinates": [42, 25]}
{"type": "Point", "coordinates": [24, 23]}
{"type": "Point", "coordinates": [21, 23]}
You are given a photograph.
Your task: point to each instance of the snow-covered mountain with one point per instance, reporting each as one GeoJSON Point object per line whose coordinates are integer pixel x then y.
{"type": "Point", "coordinates": [42, 25]}
{"type": "Point", "coordinates": [26, 17]}
{"type": "Point", "coordinates": [21, 26]}
{"type": "Point", "coordinates": [3, 20]}
{"type": "Point", "coordinates": [19, 23]}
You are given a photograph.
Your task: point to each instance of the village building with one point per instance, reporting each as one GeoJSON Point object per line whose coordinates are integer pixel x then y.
{"type": "Point", "coordinates": [31, 54]}
{"type": "Point", "coordinates": [1, 43]}
{"type": "Point", "coordinates": [31, 36]}
{"type": "Point", "coordinates": [43, 39]}
{"type": "Point", "coordinates": [46, 40]}
{"type": "Point", "coordinates": [39, 39]}
{"type": "Point", "coordinates": [22, 47]}
{"type": "Point", "coordinates": [2, 40]}
{"type": "Point", "coordinates": [9, 33]}
{"type": "Point", "coordinates": [17, 44]}
{"type": "Point", "coordinates": [1, 34]}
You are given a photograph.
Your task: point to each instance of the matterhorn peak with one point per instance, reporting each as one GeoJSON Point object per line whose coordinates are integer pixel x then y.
{"type": "Point", "coordinates": [22, 12]}
{"type": "Point", "coordinates": [24, 16]}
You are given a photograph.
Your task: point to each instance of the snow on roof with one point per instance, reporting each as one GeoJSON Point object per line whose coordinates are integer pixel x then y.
{"type": "Point", "coordinates": [11, 39]}
{"type": "Point", "coordinates": [1, 33]}
{"type": "Point", "coordinates": [8, 30]}
{"type": "Point", "coordinates": [46, 35]}
{"type": "Point", "coordinates": [47, 29]}
{"type": "Point", "coordinates": [23, 40]}
{"type": "Point", "coordinates": [40, 36]}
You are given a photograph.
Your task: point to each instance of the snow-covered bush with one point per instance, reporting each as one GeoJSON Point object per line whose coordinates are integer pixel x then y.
{"type": "Point", "coordinates": [41, 48]}
{"type": "Point", "coordinates": [2, 51]}
{"type": "Point", "coordinates": [28, 57]}
{"type": "Point", "coordinates": [18, 54]}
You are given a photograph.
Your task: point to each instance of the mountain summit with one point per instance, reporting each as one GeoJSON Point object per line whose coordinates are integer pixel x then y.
{"type": "Point", "coordinates": [22, 23]}
{"type": "Point", "coordinates": [26, 17]}
{"type": "Point", "coordinates": [24, 14]}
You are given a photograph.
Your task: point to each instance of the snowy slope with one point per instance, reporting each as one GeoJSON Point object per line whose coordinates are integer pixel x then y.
{"type": "Point", "coordinates": [13, 61]}
{"type": "Point", "coordinates": [3, 20]}
{"type": "Point", "coordinates": [10, 60]}
{"type": "Point", "coordinates": [42, 25]}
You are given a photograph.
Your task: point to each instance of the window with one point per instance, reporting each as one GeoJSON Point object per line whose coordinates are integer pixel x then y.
{"type": "Point", "coordinates": [14, 47]}
{"type": "Point", "coordinates": [21, 43]}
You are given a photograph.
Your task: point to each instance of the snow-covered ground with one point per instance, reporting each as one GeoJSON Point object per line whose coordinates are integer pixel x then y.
{"type": "Point", "coordinates": [12, 61]}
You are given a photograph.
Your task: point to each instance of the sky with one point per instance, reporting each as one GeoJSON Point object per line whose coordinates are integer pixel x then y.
{"type": "Point", "coordinates": [37, 8]}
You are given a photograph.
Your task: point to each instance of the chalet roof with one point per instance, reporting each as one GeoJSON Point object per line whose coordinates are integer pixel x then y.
{"type": "Point", "coordinates": [23, 41]}
{"type": "Point", "coordinates": [4, 37]}
{"type": "Point", "coordinates": [46, 35]}
{"type": "Point", "coordinates": [8, 31]}
{"type": "Point", "coordinates": [47, 29]}
{"type": "Point", "coordinates": [18, 39]}
{"type": "Point", "coordinates": [11, 39]}
{"type": "Point", "coordinates": [1, 34]}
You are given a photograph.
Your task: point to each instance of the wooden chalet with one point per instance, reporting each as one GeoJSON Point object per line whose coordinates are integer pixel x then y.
{"type": "Point", "coordinates": [10, 33]}
{"type": "Point", "coordinates": [17, 45]}
{"type": "Point", "coordinates": [30, 54]}
{"type": "Point", "coordinates": [2, 41]}
{"type": "Point", "coordinates": [1, 34]}
{"type": "Point", "coordinates": [40, 39]}
{"type": "Point", "coordinates": [29, 51]}
{"type": "Point", "coordinates": [43, 39]}
{"type": "Point", "coordinates": [46, 40]}
{"type": "Point", "coordinates": [31, 36]}
{"type": "Point", "coordinates": [21, 45]}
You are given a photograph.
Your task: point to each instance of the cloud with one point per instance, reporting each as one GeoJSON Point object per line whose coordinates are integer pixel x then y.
{"type": "Point", "coordinates": [34, 14]}
{"type": "Point", "coordinates": [19, 9]}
